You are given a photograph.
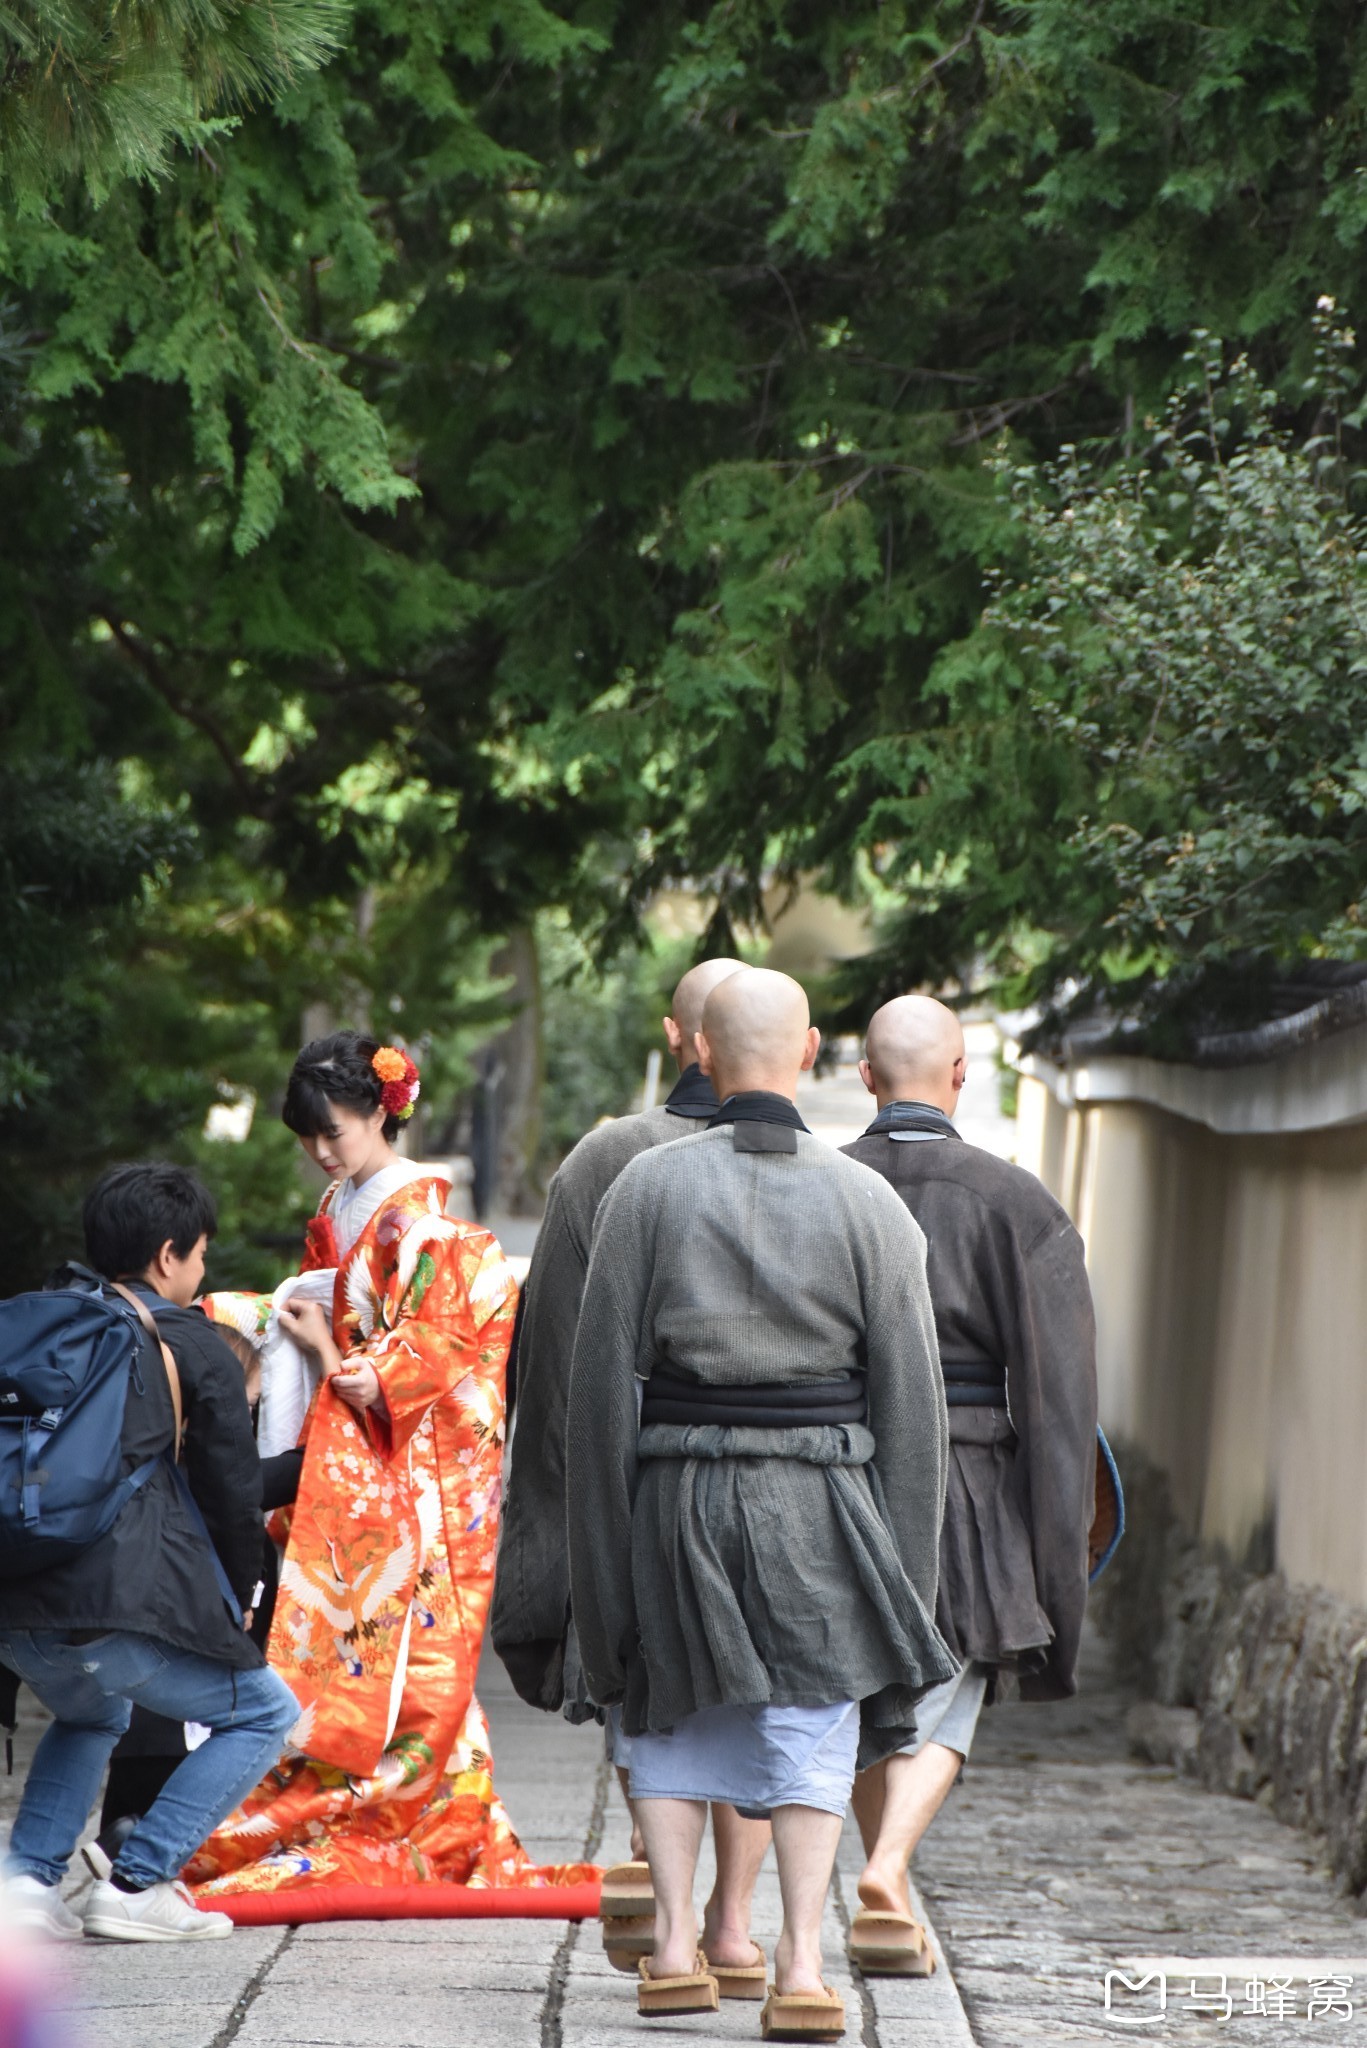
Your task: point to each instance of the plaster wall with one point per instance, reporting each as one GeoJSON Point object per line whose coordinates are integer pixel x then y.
{"type": "Point", "coordinates": [1229, 1269]}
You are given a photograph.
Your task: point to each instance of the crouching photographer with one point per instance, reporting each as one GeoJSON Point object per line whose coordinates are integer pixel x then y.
{"type": "Point", "coordinates": [112, 1590]}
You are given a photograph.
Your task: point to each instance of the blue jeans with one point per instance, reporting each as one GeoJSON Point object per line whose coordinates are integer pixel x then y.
{"type": "Point", "coordinates": [88, 1689]}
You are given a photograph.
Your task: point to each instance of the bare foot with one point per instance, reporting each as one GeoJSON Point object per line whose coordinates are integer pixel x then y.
{"type": "Point", "coordinates": [676, 1953]}
{"type": "Point", "coordinates": [797, 1973]}
{"type": "Point", "coordinates": [734, 1951]}
{"type": "Point", "coordinates": [672, 1966]}
{"type": "Point", "coordinates": [799, 1983]}
{"type": "Point", "coordinates": [724, 1941]}
{"type": "Point", "coordinates": [885, 1890]}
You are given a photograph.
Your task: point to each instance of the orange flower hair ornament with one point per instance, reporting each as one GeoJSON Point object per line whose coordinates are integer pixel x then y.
{"type": "Point", "coordinates": [398, 1078]}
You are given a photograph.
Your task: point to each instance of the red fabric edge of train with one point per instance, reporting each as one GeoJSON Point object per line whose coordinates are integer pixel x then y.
{"type": "Point", "coordinates": [407, 1902]}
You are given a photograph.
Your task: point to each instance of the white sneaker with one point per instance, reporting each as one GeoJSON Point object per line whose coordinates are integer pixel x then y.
{"type": "Point", "coordinates": [164, 1912]}
{"type": "Point", "coordinates": [38, 1908]}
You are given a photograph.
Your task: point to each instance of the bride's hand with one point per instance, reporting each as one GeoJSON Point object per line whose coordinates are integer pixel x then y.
{"type": "Point", "coordinates": [358, 1385]}
{"type": "Point", "coordinates": [307, 1322]}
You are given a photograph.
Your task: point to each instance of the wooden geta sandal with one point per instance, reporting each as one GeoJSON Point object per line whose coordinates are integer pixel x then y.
{"type": "Point", "coordinates": [802, 2015]}
{"type": "Point", "coordinates": [626, 1913]}
{"type": "Point", "coordinates": [627, 1892]}
{"type": "Point", "coordinates": [658, 1996]}
{"type": "Point", "coordinates": [626, 1941]}
{"type": "Point", "coordinates": [889, 1945]}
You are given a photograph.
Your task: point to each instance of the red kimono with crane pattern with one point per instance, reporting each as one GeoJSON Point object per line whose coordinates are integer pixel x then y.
{"type": "Point", "coordinates": [386, 1580]}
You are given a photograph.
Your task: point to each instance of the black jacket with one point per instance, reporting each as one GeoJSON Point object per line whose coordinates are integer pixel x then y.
{"type": "Point", "coordinates": [152, 1575]}
{"type": "Point", "coordinates": [220, 1455]}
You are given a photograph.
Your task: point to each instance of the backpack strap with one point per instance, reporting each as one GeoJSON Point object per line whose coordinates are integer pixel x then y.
{"type": "Point", "coordinates": [144, 1316]}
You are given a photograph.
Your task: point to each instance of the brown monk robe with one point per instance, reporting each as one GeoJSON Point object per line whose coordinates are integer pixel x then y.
{"type": "Point", "coordinates": [1017, 1337]}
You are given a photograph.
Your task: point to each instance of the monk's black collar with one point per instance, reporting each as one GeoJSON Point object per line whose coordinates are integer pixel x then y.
{"type": "Point", "coordinates": [758, 1106]}
{"type": "Point", "coordinates": [913, 1120]}
{"type": "Point", "coordinates": [692, 1094]}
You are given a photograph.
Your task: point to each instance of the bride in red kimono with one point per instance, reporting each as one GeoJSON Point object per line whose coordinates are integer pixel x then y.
{"type": "Point", "coordinates": [403, 1319]}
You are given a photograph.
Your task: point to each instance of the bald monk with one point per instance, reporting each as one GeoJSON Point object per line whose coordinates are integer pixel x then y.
{"type": "Point", "coordinates": [530, 1622]}
{"type": "Point", "coordinates": [1013, 1314]}
{"type": "Point", "coordinates": [753, 1559]}
{"type": "Point", "coordinates": [530, 1616]}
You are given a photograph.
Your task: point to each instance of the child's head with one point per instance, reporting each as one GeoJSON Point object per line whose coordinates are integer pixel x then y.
{"type": "Point", "coordinates": [150, 1222]}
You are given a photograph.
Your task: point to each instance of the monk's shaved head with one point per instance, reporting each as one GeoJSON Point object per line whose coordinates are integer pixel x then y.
{"type": "Point", "coordinates": [757, 1033]}
{"type": "Point", "coordinates": [915, 1053]}
{"type": "Point", "coordinates": [685, 1012]}
{"type": "Point", "coordinates": [691, 995]}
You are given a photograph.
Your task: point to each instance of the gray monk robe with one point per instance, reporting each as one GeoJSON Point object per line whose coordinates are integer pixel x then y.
{"type": "Point", "coordinates": [714, 1564]}
{"type": "Point", "coordinates": [1013, 1312]}
{"type": "Point", "coordinates": [529, 1621]}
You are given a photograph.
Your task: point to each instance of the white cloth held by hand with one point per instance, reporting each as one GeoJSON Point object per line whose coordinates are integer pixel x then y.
{"type": "Point", "coordinates": [288, 1373]}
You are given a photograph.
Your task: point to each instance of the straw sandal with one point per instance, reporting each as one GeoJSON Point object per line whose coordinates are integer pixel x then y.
{"type": "Point", "coordinates": [802, 2016]}
{"type": "Point", "coordinates": [657, 1996]}
{"type": "Point", "coordinates": [889, 1945]}
{"type": "Point", "coordinates": [742, 1980]}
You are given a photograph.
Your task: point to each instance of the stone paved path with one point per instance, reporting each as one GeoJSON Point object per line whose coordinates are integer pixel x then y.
{"type": "Point", "coordinates": [1060, 1856]}
{"type": "Point", "coordinates": [453, 1984]}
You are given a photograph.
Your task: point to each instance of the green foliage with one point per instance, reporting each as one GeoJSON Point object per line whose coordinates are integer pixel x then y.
{"type": "Point", "coordinates": [1172, 694]}
{"type": "Point", "coordinates": [540, 456]}
{"type": "Point", "coordinates": [1197, 636]}
{"type": "Point", "coordinates": [265, 1194]}
{"type": "Point", "coordinates": [80, 860]}
{"type": "Point", "coordinates": [75, 858]}
{"type": "Point", "coordinates": [198, 1000]}
{"type": "Point", "coordinates": [105, 92]}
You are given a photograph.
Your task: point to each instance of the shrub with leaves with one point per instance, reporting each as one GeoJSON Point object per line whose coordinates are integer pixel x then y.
{"type": "Point", "coordinates": [1198, 635]}
{"type": "Point", "coordinates": [1180, 666]}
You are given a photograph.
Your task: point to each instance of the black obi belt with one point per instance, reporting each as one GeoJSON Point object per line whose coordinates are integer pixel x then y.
{"type": "Point", "coordinates": [688, 1404]}
{"type": "Point", "coordinates": [974, 1383]}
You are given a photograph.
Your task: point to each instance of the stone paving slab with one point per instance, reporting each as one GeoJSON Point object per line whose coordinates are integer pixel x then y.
{"type": "Point", "coordinates": [336, 2015]}
{"type": "Point", "coordinates": [387, 1971]}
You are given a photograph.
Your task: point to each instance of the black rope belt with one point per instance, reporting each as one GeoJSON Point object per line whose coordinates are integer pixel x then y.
{"type": "Point", "coordinates": [688, 1404]}
{"type": "Point", "coordinates": [974, 1383]}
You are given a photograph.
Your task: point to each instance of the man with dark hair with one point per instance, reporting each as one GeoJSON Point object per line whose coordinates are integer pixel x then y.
{"type": "Point", "coordinates": [135, 1214]}
{"type": "Point", "coordinates": [147, 1225]}
{"type": "Point", "coordinates": [155, 1613]}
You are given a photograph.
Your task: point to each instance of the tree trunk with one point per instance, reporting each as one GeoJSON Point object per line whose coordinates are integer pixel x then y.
{"type": "Point", "coordinates": [517, 1071]}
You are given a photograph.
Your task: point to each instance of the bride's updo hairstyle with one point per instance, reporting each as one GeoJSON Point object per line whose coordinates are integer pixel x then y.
{"type": "Point", "coordinates": [334, 1070]}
